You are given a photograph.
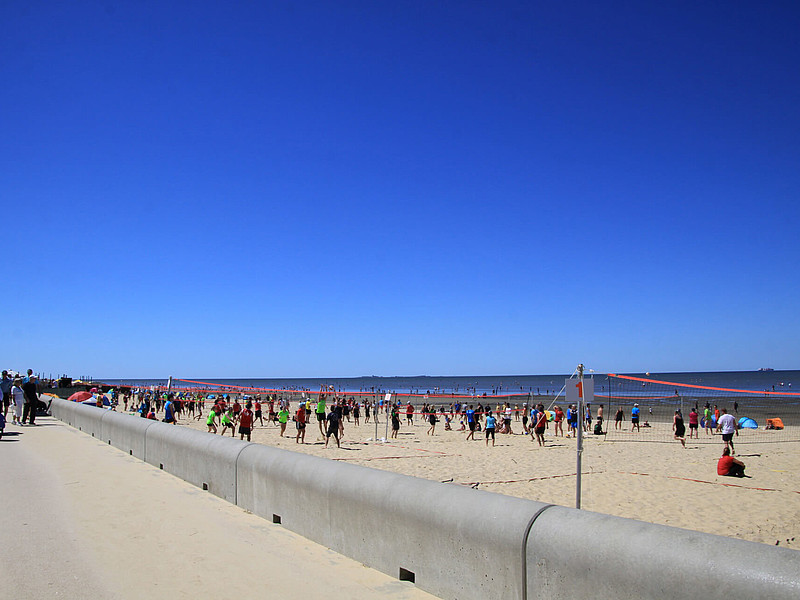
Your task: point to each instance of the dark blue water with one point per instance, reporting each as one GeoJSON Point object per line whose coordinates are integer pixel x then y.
{"type": "Point", "coordinates": [779, 381]}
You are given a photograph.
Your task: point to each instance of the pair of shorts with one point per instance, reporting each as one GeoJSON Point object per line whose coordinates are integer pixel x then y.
{"type": "Point", "coordinates": [471, 425]}
{"type": "Point", "coordinates": [300, 426]}
{"type": "Point", "coordinates": [635, 420]}
{"type": "Point", "coordinates": [539, 430]}
{"type": "Point", "coordinates": [490, 432]}
{"type": "Point", "coordinates": [727, 437]}
{"type": "Point", "coordinates": [334, 431]}
{"type": "Point", "coordinates": [320, 417]}
{"type": "Point", "coordinates": [244, 430]}
{"type": "Point", "coordinates": [692, 425]}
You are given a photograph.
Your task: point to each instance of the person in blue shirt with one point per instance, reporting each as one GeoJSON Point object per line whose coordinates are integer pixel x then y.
{"type": "Point", "coordinates": [635, 417]}
{"type": "Point", "coordinates": [169, 412]}
{"type": "Point", "coordinates": [471, 422]}
{"type": "Point", "coordinates": [491, 423]}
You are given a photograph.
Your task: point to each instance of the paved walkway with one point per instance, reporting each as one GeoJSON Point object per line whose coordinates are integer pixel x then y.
{"type": "Point", "coordinates": [81, 519]}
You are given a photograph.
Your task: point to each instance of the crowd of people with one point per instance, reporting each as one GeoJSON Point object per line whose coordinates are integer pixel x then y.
{"type": "Point", "coordinates": [237, 413]}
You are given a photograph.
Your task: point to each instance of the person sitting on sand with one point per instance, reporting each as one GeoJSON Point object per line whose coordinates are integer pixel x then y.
{"type": "Point", "coordinates": [729, 466]}
{"type": "Point", "coordinates": [447, 426]}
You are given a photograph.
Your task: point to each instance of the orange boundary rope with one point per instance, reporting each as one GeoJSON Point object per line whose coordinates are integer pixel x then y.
{"type": "Point", "coordinates": [703, 387]}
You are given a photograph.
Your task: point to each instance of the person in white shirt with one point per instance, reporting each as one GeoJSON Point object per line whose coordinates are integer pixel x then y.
{"type": "Point", "coordinates": [17, 401]}
{"type": "Point", "coordinates": [727, 424]}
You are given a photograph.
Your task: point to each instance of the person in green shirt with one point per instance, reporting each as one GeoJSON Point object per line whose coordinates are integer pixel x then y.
{"type": "Point", "coordinates": [283, 418]}
{"type": "Point", "coordinates": [211, 421]}
{"type": "Point", "coordinates": [227, 421]}
{"type": "Point", "coordinates": [321, 414]}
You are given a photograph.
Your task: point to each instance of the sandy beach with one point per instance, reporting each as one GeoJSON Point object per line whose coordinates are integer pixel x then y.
{"type": "Point", "coordinates": [655, 482]}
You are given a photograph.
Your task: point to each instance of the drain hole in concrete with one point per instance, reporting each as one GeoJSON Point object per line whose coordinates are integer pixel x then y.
{"type": "Point", "coordinates": [276, 519]}
{"type": "Point", "coordinates": [205, 486]}
{"type": "Point", "coordinates": [406, 575]}
{"type": "Point", "coordinates": [130, 452]}
{"type": "Point", "coordinates": [161, 466]}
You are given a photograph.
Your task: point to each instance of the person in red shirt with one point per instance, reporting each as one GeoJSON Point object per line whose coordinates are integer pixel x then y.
{"type": "Point", "coordinates": [246, 422]}
{"type": "Point", "coordinates": [729, 466]}
{"type": "Point", "coordinates": [300, 422]}
{"type": "Point", "coordinates": [259, 417]}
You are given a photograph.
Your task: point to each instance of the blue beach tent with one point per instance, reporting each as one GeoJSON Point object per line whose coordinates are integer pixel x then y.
{"type": "Point", "coordinates": [747, 423]}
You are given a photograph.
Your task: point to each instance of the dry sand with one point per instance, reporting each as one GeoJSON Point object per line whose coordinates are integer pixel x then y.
{"type": "Point", "coordinates": [651, 481]}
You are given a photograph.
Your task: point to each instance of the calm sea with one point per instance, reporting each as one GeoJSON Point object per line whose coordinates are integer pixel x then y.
{"type": "Point", "coordinates": [782, 381]}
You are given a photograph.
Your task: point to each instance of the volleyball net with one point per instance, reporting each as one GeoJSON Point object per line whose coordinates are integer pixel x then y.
{"type": "Point", "coordinates": [761, 415]}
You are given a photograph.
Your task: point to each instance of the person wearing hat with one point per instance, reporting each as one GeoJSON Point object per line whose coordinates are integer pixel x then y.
{"type": "Point", "coordinates": [17, 400]}
{"type": "Point", "coordinates": [31, 398]}
{"type": "Point", "coordinates": [635, 418]}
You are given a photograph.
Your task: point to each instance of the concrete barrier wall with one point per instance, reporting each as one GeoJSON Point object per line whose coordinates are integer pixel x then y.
{"type": "Point", "coordinates": [125, 432]}
{"type": "Point", "coordinates": [205, 460]}
{"type": "Point", "coordinates": [457, 542]}
{"type": "Point", "coordinates": [453, 541]}
{"type": "Point", "coordinates": [575, 554]}
{"type": "Point", "coordinates": [88, 419]}
{"type": "Point", "coordinates": [61, 409]}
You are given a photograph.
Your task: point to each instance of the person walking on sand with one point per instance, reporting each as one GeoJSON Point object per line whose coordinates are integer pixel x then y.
{"type": "Point", "coordinates": [410, 414]}
{"type": "Point", "coordinates": [283, 418]}
{"type": "Point", "coordinates": [432, 421]}
{"type": "Point", "coordinates": [693, 424]}
{"type": "Point", "coordinates": [727, 424]}
{"type": "Point", "coordinates": [491, 423]}
{"type": "Point", "coordinates": [707, 422]}
{"type": "Point", "coordinates": [471, 422]}
{"type": "Point", "coordinates": [679, 428]}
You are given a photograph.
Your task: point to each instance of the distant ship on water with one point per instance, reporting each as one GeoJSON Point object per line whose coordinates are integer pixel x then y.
{"type": "Point", "coordinates": [764, 369]}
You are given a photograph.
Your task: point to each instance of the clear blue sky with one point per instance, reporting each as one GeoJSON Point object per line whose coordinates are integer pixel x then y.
{"type": "Point", "coordinates": [399, 188]}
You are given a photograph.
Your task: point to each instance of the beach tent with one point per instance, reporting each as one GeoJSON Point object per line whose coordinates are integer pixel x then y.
{"type": "Point", "coordinates": [747, 423]}
{"type": "Point", "coordinates": [774, 423]}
